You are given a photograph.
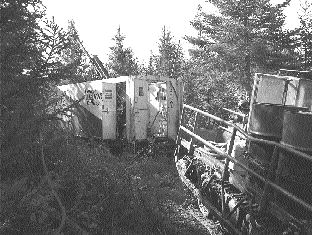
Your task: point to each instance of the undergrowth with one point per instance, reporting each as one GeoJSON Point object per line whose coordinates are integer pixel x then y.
{"type": "Point", "coordinates": [102, 193]}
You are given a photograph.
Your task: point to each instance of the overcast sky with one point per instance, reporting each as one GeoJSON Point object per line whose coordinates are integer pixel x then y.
{"type": "Point", "coordinates": [141, 21]}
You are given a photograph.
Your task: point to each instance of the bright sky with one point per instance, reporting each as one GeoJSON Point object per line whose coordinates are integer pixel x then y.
{"type": "Point", "coordinates": [141, 21]}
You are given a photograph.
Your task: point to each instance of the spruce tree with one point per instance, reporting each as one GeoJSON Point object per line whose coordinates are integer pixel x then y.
{"type": "Point", "coordinates": [169, 62]}
{"type": "Point", "coordinates": [77, 59]}
{"type": "Point", "coordinates": [21, 63]}
{"type": "Point", "coordinates": [121, 63]}
{"type": "Point", "coordinates": [121, 59]}
{"type": "Point", "coordinates": [31, 67]}
{"type": "Point", "coordinates": [304, 35]}
{"type": "Point", "coordinates": [245, 36]}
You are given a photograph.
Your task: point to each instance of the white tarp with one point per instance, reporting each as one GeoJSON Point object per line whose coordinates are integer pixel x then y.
{"type": "Point", "coordinates": [90, 92]}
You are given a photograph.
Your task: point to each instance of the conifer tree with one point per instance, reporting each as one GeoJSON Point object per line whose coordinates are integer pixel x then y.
{"type": "Point", "coordinates": [304, 35]}
{"type": "Point", "coordinates": [245, 36]}
{"type": "Point", "coordinates": [169, 62]}
{"type": "Point", "coordinates": [74, 57]}
{"type": "Point", "coordinates": [31, 67]}
{"type": "Point", "coordinates": [121, 59]}
{"type": "Point", "coordinates": [121, 63]}
{"type": "Point", "coordinates": [151, 67]}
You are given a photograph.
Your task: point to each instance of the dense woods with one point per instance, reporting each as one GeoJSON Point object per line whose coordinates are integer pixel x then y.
{"type": "Point", "coordinates": [45, 177]}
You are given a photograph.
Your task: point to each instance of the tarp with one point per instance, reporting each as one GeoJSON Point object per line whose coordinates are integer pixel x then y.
{"type": "Point", "coordinates": [89, 92]}
{"type": "Point", "coordinates": [87, 115]}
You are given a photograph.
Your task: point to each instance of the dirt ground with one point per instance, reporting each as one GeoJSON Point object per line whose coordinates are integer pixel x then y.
{"type": "Point", "coordinates": [162, 193]}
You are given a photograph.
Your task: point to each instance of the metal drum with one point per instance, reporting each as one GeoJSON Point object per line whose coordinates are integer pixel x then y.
{"type": "Point", "coordinates": [267, 119]}
{"type": "Point", "coordinates": [304, 95]}
{"type": "Point", "coordinates": [266, 122]}
{"type": "Point", "coordinates": [297, 131]}
{"type": "Point", "coordinates": [295, 173]}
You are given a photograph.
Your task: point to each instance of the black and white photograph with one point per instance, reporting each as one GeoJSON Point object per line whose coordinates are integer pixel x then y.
{"type": "Point", "coordinates": [167, 117]}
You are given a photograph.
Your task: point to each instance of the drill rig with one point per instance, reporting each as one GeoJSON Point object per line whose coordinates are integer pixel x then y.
{"type": "Point", "coordinates": [255, 177]}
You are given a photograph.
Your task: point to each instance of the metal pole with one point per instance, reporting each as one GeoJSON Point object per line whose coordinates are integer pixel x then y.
{"type": "Point", "coordinates": [178, 140]}
{"type": "Point", "coordinates": [191, 150]}
{"type": "Point", "coordinates": [225, 174]}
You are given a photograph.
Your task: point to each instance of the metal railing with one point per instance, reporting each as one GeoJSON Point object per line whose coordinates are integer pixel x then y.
{"type": "Point", "coordinates": [269, 184]}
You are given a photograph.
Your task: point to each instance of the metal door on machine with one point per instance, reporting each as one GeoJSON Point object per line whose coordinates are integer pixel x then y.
{"type": "Point", "coordinates": [140, 109]}
{"type": "Point", "coordinates": [158, 118]}
{"type": "Point", "coordinates": [109, 111]}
